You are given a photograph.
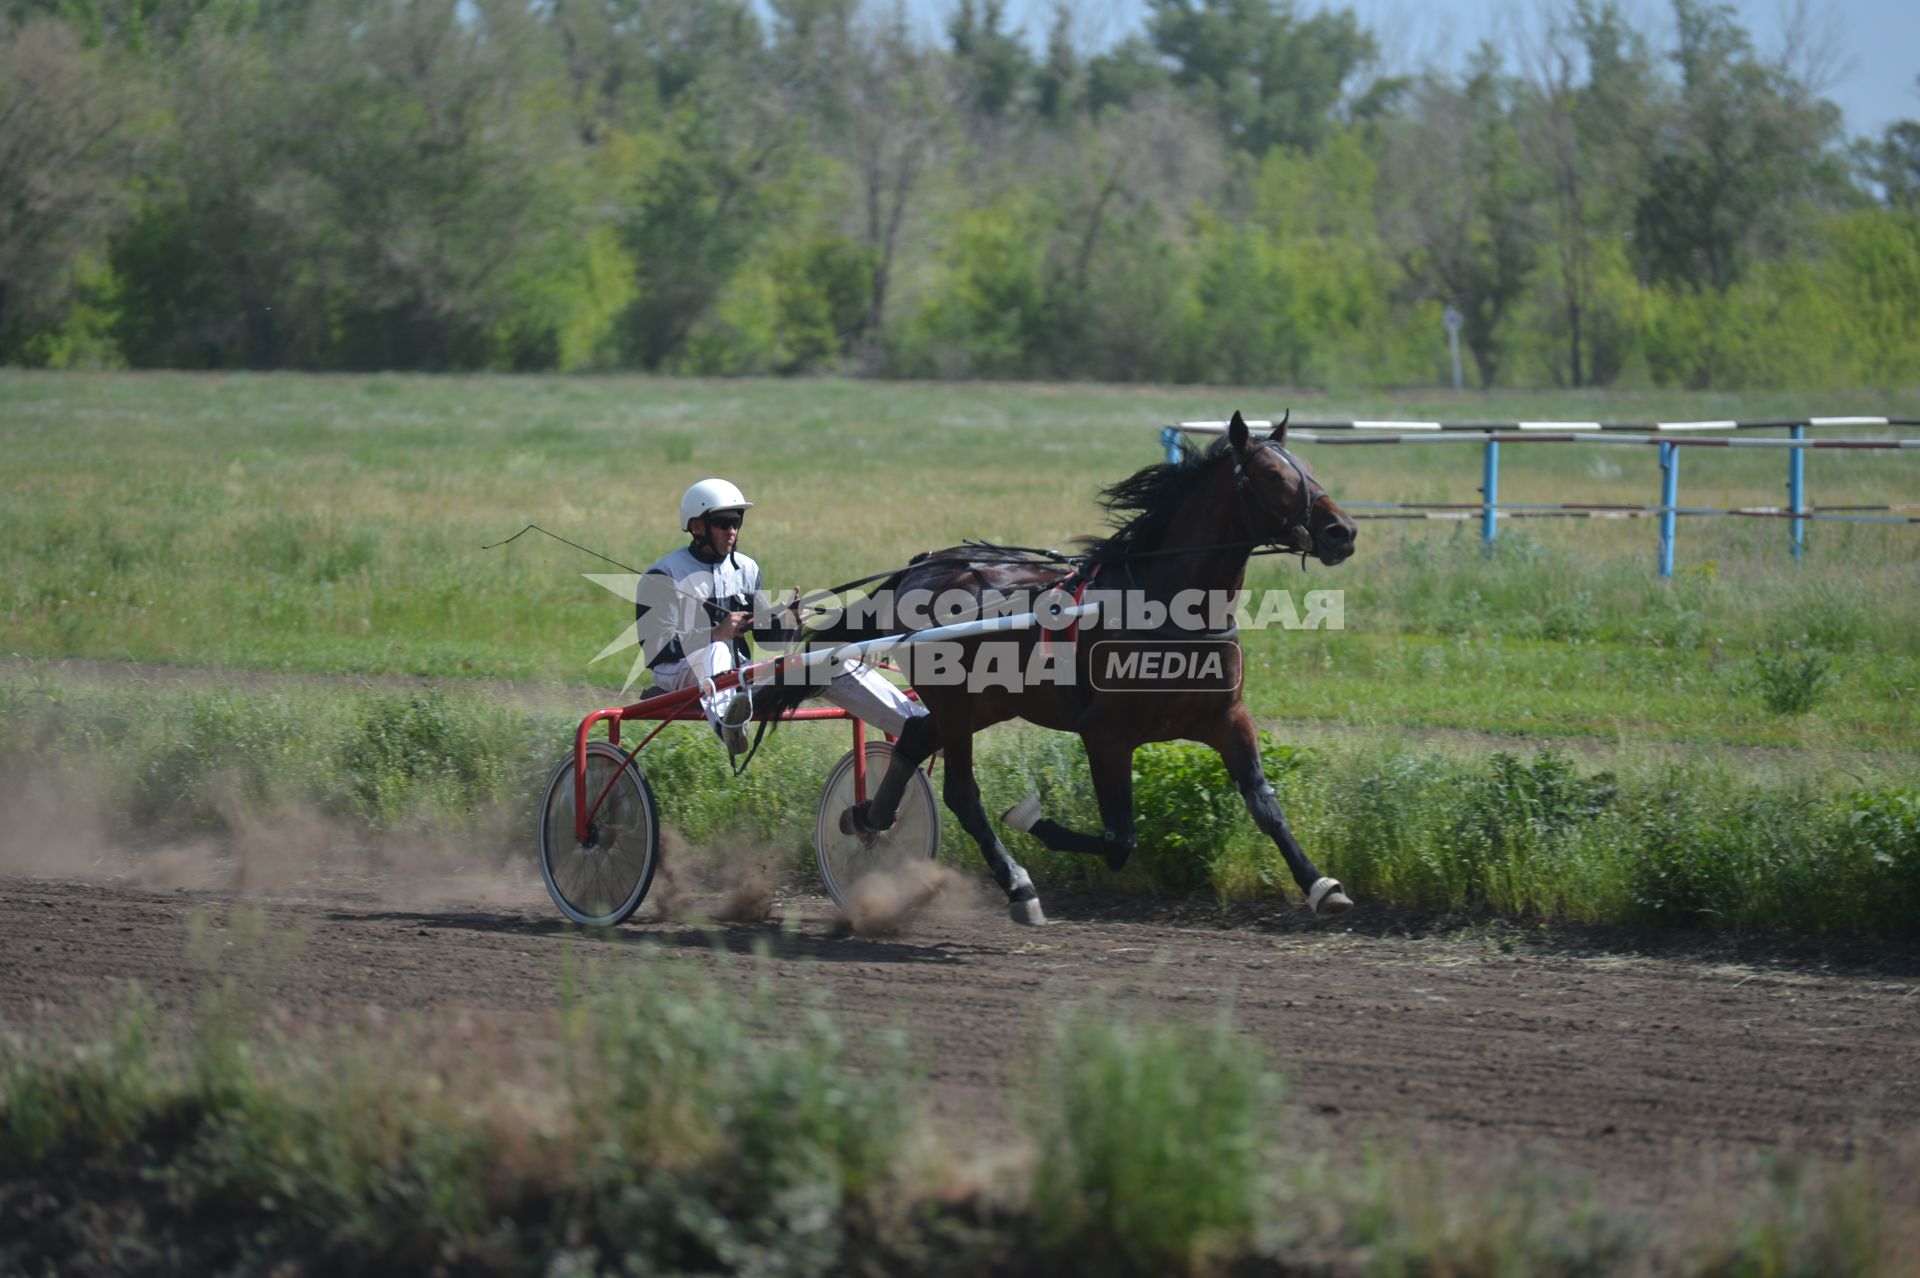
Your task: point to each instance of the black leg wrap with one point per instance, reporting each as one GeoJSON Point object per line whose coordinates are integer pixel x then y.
{"type": "Point", "coordinates": [1108, 846]}
{"type": "Point", "coordinates": [1061, 839]}
{"type": "Point", "coordinates": [1264, 805]}
{"type": "Point", "coordinates": [1027, 893]}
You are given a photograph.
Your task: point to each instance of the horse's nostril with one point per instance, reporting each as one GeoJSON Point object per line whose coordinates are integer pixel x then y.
{"type": "Point", "coordinates": [1339, 533]}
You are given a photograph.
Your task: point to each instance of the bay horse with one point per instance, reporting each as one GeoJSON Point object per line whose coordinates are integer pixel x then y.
{"type": "Point", "coordinates": [1179, 526]}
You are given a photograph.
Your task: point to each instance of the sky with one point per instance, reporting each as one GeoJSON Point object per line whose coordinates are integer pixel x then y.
{"type": "Point", "coordinates": [1875, 44]}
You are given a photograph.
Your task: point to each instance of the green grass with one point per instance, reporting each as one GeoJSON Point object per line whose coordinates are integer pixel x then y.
{"type": "Point", "coordinates": [672, 1125]}
{"type": "Point", "coordinates": [335, 524]}
{"type": "Point", "coordinates": [1788, 844]}
{"type": "Point", "coordinates": [1153, 1143]}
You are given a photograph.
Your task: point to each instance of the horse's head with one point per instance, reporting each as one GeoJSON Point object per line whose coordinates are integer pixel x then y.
{"type": "Point", "coordinates": [1281, 499]}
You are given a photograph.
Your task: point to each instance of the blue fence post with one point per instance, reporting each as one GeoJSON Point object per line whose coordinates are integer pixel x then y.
{"type": "Point", "coordinates": [1669, 499]}
{"type": "Point", "coordinates": [1490, 494]}
{"type": "Point", "coordinates": [1797, 489]}
{"type": "Point", "coordinates": [1170, 441]}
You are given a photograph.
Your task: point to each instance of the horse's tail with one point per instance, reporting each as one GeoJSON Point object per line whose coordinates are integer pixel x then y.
{"type": "Point", "coordinates": [853, 625]}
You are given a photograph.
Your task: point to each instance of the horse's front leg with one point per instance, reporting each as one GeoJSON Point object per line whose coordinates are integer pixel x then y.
{"type": "Point", "coordinates": [1110, 762]}
{"type": "Point", "coordinates": [1239, 746]}
{"type": "Point", "coordinates": [962, 794]}
{"type": "Point", "coordinates": [917, 740]}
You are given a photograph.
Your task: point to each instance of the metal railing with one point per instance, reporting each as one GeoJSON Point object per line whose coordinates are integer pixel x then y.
{"type": "Point", "coordinates": [1668, 437]}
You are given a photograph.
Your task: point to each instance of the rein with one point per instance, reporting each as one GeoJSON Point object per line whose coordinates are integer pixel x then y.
{"type": "Point", "coordinates": [805, 600]}
{"type": "Point", "coordinates": [1001, 554]}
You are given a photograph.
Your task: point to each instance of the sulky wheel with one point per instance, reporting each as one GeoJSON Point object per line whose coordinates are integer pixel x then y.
{"type": "Point", "coordinates": [600, 882]}
{"type": "Point", "coordinates": [845, 858]}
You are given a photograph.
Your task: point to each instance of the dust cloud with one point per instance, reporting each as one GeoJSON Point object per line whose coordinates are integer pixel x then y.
{"type": "Point", "coordinates": [881, 905]}
{"type": "Point", "coordinates": [730, 882]}
{"type": "Point", "coordinates": [65, 824]}
{"type": "Point", "coordinates": [61, 825]}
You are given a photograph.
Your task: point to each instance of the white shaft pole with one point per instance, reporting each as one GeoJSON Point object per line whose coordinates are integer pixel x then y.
{"type": "Point", "coordinates": [959, 630]}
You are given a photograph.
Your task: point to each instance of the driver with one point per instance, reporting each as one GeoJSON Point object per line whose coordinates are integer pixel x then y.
{"type": "Point", "coordinates": [711, 569]}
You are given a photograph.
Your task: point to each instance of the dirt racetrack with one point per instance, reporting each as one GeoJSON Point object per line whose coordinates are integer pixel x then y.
{"type": "Point", "coordinates": [1648, 1072]}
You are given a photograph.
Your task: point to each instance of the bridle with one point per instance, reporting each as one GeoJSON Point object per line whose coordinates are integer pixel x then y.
{"type": "Point", "coordinates": [1247, 492]}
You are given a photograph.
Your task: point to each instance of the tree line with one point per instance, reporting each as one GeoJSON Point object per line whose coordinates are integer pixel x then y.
{"type": "Point", "coordinates": [1235, 193]}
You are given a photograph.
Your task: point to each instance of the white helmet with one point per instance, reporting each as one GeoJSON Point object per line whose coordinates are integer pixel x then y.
{"type": "Point", "coordinates": [709, 495]}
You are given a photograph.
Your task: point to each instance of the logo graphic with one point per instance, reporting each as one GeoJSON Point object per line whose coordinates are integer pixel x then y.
{"type": "Point", "coordinates": [671, 610]}
{"type": "Point", "coordinates": [683, 611]}
{"type": "Point", "coordinates": [1165, 665]}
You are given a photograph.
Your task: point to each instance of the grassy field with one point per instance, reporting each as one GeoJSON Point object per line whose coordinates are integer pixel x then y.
{"type": "Point", "coordinates": [1748, 730]}
{"type": "Point", "coordinates": [335, 525]}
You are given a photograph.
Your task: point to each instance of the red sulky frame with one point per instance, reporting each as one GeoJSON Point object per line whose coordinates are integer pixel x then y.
{"type": "Point", "coordinates": [685, 704]}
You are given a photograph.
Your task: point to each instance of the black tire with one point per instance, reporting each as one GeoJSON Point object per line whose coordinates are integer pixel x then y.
{"type": "Point", "coordinates": [603, 884]}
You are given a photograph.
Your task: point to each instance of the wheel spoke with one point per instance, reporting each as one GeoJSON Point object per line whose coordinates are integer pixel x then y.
{"type": "Point", "coordinates": [603, 883]}
{"type": "Point", "coordinates": [845, 859]}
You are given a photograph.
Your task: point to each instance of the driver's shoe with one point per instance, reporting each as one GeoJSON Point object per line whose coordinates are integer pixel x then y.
{"type": "Point", "coordinates": [732, 722]}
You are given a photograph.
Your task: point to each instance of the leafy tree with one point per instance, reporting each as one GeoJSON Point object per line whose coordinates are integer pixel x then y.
{"type": "Point", "coordinates": [813, 46]}
{"type": "Point", "coordinates": [1271, 77]}
{"type": "Point", "coordinates": [1128, 72]}
{"type": "Point", "coordinates": [775, 186]}
{"type": "Point", "coordinates": [1738, 163]}
{"type": "Point", "coordinates": [632, 64]}
{"type": "Point", "coordinates": [1117, 282]}
{"type": "Point", "coordinates": [824, 288]}
{"type": "Point", "coordinates": [991, 65]}
{"type": "Point", "coordinates": [1873, 281]}
{"type": "Point", "coordinates": [989, 312]}
{"type": "Point", "coordinates": [1245, 324]}
{"type": "Point", "coordinates": [1345, 321]}
{"type": "Point", "coordinates": [1585, 136]}
{"type": "Point", "coordinates": [696, 214]}
{"type": "Point", "coordinates": [1893, 164]}
{"type": "Point", "coordinates": [1059, 82]}
{"type": "Point", "coordinates": [212, 272]}
{"type": "Point", "coordinates": [701, 170]}
{"type": "Point", "coordinates": [1459, 208]}
{"type": "Point", "coordinates": [898, 121]}
{"type": "Point", "coordinates": [145, 27]}
{"type": "Point", "coordinates": [75, 131]}
{"type": "Point", "coordinates": [427, 174]}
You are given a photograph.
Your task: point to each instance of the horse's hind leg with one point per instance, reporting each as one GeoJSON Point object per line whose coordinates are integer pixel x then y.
{"type": "Point", "coordinates": [1240, 748]}
{"type": "Point", "coordinates": [963, 796]}
{"type": "Point", "coordinates": [1111, 765]}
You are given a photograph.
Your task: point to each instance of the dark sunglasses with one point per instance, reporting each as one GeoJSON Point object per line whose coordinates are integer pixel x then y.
{"type": "Point", "coordinates": [718, 520]}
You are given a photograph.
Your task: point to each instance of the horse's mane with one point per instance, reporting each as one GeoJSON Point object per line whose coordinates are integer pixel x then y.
{"type": "Point", "coordinates": [1145, 502]}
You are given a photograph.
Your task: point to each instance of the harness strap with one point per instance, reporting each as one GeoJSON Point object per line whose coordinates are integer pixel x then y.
{"type": "Point", "coordinates": [1073, 627]}
{"type": "Point", "coordinates": [1079, 582]}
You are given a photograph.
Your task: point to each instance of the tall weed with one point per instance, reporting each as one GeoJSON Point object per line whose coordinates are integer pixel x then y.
{"type": "Point", "coordinates": [1151, 1143]}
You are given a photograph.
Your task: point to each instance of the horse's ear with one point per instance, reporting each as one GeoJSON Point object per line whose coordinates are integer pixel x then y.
{"type": "Point", "coordinates": [1237, 432]}
{"type": "Point", "coordinates": [1279, 432]}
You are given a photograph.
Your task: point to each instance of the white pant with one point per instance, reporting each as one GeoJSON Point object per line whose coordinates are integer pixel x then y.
{"type": "Point", "coordinates": [859, 689]}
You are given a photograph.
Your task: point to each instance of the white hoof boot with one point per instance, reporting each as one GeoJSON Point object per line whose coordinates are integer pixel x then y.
{"type": "Point", "coordinates": [1027, 912]}
{"type": "Point", "coordinates": [1327, 899]}
{"type": "Point", "coordinates": [1023, 815]}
